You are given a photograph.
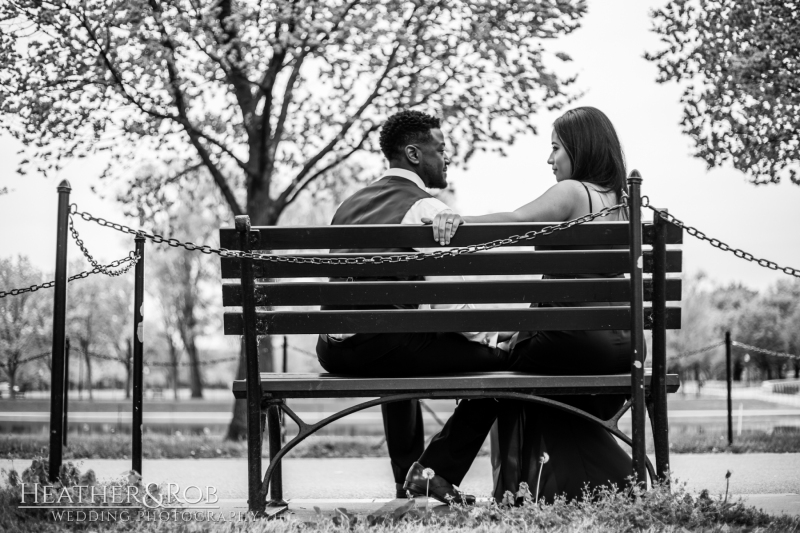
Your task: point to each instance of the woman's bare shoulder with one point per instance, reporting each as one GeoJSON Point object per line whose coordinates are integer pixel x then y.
{"type": "Point", "coordinates": [569, 189]}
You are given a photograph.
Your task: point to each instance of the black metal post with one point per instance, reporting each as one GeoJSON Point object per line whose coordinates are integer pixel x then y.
{"type": "Point", "coordinates": [285, 368]}
{"type": "Point", "coordinates": [285, 354]}
{"type": "Point", "coordinates": [637, 327]}
{"type": "Point", "coordinates": [59, 333]}
{"type": "Point", "coordinates": [138, 358]}
{"type": "Point", "coordinates": [658, 383]}
{"type": "Point", "coordinates": [729, 379]}
{"type": "Point", "coordinates": [65, 424]}
{"type": "Point", "coordinates": [256, 496]}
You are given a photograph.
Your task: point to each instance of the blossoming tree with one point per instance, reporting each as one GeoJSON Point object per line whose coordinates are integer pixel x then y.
{"type": "Point", "coordinates": [265, 97]}
{"type": "Point", "coordinates": [740, 66]}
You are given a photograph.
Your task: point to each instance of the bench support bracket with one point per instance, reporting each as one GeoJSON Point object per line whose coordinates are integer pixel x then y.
{"type": "Point", "coordinates": [272, 476]}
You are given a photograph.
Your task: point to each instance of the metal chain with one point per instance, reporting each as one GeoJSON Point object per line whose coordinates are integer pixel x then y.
{"type": "Point", "coordinates": [33, 358]}
{"type": "Point", "coordinates": [165, 364]}
{"type": "Point", "coordinates": [358, 260]}
{"type": "Point", "coordinates": [223, 252]}
{"type": "Point", "coordinates": [200, 363]}
{"type": "Point", "coordinates": [716, 243]}
{"type": "Point", "coordinates": [699, 350]}
{"type": "Point", "coordinates": [764, 351]}
{"type": "Point", "coordinates": [97, 266]}
{"type": "Point", "coordinates": [132, 258]}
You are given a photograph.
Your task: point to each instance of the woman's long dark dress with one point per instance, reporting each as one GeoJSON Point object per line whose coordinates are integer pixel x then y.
{"type": "Point", "coordinates": [581, 454]}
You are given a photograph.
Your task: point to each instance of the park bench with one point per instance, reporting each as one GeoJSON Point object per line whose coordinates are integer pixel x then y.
{"type": "Point", "coordinates": [599, 247]}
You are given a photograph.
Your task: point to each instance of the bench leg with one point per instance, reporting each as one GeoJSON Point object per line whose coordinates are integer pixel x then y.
{"type": "Point", "coordinates": [660, 425]}
{"type": "Point", "coordinates": [275, 441]}
{"type": "Point", "coordinates": [255, 436]}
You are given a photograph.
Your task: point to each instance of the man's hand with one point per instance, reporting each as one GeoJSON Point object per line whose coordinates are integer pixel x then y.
{"type": "Point", "coordinates": [444, 226]}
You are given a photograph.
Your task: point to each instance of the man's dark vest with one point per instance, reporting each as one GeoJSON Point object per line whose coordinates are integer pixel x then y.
{"type": "Point", "coordinates": [384, 202]}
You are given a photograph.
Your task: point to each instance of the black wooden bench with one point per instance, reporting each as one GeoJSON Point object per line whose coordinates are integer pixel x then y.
{"type": "Point", "coordinates": [263, 284]}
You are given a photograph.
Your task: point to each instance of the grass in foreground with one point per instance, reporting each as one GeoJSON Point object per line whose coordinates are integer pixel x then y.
{"type": "Point", "coordinates": [657, 510]}
{"type": "Point", "coordinates": [160, 446]}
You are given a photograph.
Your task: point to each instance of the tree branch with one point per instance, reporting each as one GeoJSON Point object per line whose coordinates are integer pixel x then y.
{"type": "Point", "coordinates": [348, 123]}
{"type": "Point", "coordinates": [291, 193]}
{"type": "Point", "coordinates": [237, 78]}
{"type": "Point", "coordinates": [288, 95]}
{"type": "Point", "coordinates": [183, 119]}
{"type": "Point", "coordinates": [116, 75]}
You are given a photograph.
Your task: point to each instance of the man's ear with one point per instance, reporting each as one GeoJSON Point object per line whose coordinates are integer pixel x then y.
{"type": "Point", "coordinates": [412, 154]}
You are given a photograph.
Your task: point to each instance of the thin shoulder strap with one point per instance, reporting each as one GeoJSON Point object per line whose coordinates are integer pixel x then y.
{"type": "Point", "coordinates": [591, 210]}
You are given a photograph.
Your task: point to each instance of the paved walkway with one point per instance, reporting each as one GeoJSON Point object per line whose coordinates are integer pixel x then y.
{"type": "Point", "coordinates": [768, 481]}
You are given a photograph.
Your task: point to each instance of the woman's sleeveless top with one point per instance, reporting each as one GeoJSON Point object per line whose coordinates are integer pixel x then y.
{"type": "Point", "coordinates": [598, 200]}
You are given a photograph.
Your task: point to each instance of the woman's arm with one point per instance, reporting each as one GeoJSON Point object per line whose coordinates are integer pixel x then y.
{"type": "Point", "coordinates": [560, 202]}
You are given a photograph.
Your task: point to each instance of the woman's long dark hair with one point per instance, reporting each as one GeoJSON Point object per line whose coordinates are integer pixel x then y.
{"type": "Point", "coordinates": [593, 148]}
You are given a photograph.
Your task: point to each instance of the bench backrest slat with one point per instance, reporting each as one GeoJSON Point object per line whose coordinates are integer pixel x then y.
{"type": "Point", "coordinates": [444, 292]}
{"type": "Point", "coordinates": [376, 236]}
{"type": "Point", "coordinates": [404, 321]}
{"type": "Point", "coordinates": [474, 264]}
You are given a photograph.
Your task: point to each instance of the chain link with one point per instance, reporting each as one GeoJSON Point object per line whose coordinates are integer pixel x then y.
{"type": "Point", "coordinates": [33, 358]}
{"type": "Point", "coordinates": [699, 350]}
{"type": "Point", "coordinates": [740, 345]}
{"type": "Point", "coordinates": [716, 243]}
{"type": "Point", "coordinates": [132, 256]}
{"type": "Point", "coordinates": [764, 351]}
{"type": "Point", "coordinates": [359, 260]}
{"type": "Point", "coordinates": [165, 364]}
{"type": "Point", "coordinates": [132, 259]}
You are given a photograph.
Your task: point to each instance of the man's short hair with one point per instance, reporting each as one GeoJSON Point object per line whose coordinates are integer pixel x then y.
{"type": "Point", "coordinates": [404, 128]}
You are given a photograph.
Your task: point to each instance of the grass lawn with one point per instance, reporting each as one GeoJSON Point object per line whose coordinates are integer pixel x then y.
{"type": "Point", "coordinates": [160, 446]}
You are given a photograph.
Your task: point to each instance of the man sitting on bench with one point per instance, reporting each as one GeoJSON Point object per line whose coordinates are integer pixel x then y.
{"type": "Point", "coordinates": [416, 149]}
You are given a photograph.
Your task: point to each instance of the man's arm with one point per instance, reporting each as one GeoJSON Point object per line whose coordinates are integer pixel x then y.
{"type": "Point", "coordinates": [428, 208]}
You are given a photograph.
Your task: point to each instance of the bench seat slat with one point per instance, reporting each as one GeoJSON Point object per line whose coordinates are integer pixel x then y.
{"type": "Point", "coordinates": [443, 386]}
{"type": "Point", "coordinates": [375, 236]}
{"type": "Point", "coordinates": [444, 292]}
{"type": "Point", "coordinates": [478, 264]}
{"type": "Point", "coordinates": [407, 321]}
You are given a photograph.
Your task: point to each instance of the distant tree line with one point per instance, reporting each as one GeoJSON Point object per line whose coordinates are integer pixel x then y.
{"type": "Point", "coordinates": [767, 319]}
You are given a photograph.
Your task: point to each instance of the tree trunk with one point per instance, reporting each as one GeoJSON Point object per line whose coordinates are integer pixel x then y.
{"type": "Point", "coordinates": [12, 380]}
{"type": "Point", "coordinates": [237, 430]}
{"type": "Point", "coordinates": [85, 348]}
{"type": "Point", "coordinates": [195, 377]}
{"type": "Point", "coordinates": [738, 369]}
{"type": "Point", "coordinates": [173, 359]}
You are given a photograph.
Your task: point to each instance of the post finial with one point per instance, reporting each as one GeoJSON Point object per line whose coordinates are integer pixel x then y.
{"type": "Point", "coordinates": [242, 223]}
{"type": "Point", "coordinates": [634, 177]}
{"type": "Point", "coordinates": [64, 186]}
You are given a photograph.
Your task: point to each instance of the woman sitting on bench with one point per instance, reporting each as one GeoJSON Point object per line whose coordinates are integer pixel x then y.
{"type": "Point", "coordinates": [589, 168]}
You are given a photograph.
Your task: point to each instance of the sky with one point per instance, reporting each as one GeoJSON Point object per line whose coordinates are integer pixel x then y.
{"type": "Point", "coordinates": [607, 53]}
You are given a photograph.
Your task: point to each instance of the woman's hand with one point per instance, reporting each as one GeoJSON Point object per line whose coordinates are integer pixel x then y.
{"type": "Point", "coordinates": [444, 226]}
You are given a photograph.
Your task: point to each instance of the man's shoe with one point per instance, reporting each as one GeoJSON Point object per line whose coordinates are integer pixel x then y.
{"type": "Point", "coordinates": [437, 487]}
{"type": "Point", "coordinates": [399, 491]}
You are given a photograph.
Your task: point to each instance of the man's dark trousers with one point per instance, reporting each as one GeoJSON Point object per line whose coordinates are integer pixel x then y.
{"type": "Point", "coordinates": [419, 354]}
